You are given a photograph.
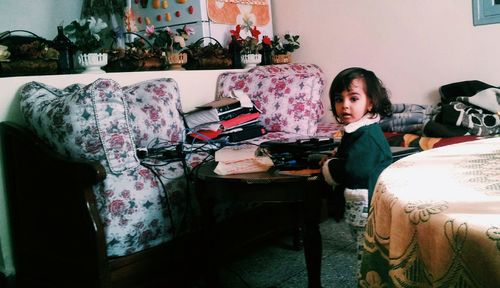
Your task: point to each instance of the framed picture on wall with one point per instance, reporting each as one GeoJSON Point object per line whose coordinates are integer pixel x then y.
{"type": "Point", "coordinates": [486, 12]}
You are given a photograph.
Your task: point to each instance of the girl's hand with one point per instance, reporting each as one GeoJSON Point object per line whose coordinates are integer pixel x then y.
{"type": "Point", "coordinates": [326, 157]}
{"type": "Point", "coordinates": [323, 160]}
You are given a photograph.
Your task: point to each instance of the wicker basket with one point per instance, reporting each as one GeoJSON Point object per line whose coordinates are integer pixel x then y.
{"type": "Point", "coordinates": [29, 55]}
{"type": "Point", "coordinates": [129, 60]}
{"type": "Point", "coordinates": [282, 58]}
{"type": "Point", "coordinates": [210, 56]}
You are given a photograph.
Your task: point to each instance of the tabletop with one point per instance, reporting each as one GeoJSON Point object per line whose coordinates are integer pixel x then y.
{"type": "Point", "coordinates": [434, 220]}
{"type": "Point", "coordinates": [206, 172]}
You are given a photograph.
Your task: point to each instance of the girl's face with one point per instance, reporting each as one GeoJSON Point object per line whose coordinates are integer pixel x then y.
{"type": "Point", "coordinates": [353, 103]}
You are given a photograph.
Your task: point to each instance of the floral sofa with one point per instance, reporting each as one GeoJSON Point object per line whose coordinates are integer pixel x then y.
{"type": "Point", "coordinates": [134, 208]}
{"type": "Point", "coordinates": [289, 97]}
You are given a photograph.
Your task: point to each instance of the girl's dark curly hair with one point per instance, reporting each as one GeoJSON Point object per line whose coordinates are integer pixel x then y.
{"type": "Point", "coordinates": [375, 90]}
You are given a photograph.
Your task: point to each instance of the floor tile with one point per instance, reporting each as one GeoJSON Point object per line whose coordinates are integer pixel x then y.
{"type": "Point", "coordinates": [275, 264]}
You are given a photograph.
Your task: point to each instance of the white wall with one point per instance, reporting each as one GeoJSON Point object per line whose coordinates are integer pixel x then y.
{"type": "Point", "coordinates": [413, 46]}
{"type": "Point", "coordinates": [38, 16]}
{"type": "Point", "coordinates": [42, 18]}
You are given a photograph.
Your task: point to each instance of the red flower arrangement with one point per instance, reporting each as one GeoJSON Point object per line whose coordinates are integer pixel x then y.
{"type": "Point", "coordinates": [249, 44]}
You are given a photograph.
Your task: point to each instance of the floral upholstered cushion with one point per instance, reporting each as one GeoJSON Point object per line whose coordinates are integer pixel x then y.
{"type": "Point", "coordinates": [289, 95]}
{"type": "Point", "coordinates": [140, 207]}
{"type": "Point", "coordinates": [86, 122]}
{"type": "Point", "coordinates": [154, 107]}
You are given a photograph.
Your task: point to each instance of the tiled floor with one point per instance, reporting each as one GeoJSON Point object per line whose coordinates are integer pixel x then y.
{"type": "Point", "coordinates": [275, 264]}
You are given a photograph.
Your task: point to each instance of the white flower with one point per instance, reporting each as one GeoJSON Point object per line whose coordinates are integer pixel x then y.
{"type": "Point", "coordinates": [180, 40]}
{"type": "Point", "coordinates": [189, 30]}
{"type": "Point", "coordinates": [4, 52]}
{"type": "Point", "coordinates": [246, 18]}
{"type": "Point", "coordinates": [96, 26]}
{"type": "Point", "coordinates": [219, 4]}
{"type": "Point", "coordinates": [82, 22]}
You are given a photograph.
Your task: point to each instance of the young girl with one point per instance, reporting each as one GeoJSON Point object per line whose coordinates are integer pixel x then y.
{"type": "Point", "coordinates": [358, 100]}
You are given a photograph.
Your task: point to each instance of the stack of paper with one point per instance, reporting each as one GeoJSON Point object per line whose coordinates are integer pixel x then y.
{"type": "Point", "coordinates": [225, 116]}
{"type": "Point", "coordinates": [216, 111]}
{"type": "Point", "coordinates": [241, 159]}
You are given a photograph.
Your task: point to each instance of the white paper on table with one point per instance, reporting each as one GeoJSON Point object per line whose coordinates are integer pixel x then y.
{"type": "Point", "coordinates": [236, 153]}
{"type": "Point", "coordinates": [258, 164]}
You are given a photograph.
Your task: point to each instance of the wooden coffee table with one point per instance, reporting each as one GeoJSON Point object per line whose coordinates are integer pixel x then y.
{"type": "Point", "coordinates": [265, 187]}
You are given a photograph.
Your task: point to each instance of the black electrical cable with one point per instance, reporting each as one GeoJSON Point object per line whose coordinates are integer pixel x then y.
{"type": "Point", "coordinates": [154, 157]}
{"type": "Point", "coordinates": [159, 158]}
{"type": "Point", "coordinates": [167, 199]}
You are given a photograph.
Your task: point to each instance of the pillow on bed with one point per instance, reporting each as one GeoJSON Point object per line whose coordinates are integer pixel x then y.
{"type": "Point", "coordinates": [83, 122]}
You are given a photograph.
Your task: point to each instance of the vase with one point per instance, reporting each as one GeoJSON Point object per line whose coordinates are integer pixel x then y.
{"type": "Point", "coordinates": [92, 62]}
{"type": "Point", "coordinates": [65, 48]}
{"type": "Point", "coordinates": [282, 58]}
{"type": "Point", "coordinates": [176, 60]}
{"type": "Point", "coordinates": [266, 55]}
{"type": "Point", "coordinates": [250, 60]}
{"type": "Point", "coordinates": [235, 52]}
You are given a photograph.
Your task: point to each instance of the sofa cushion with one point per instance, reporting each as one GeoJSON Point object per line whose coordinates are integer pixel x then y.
{"type": "Point", "coordinates": [84, 122]}
{"type": "Point", "coordinates": [289, 95]}
{"type": "Point", "coordinates": [154, 107]}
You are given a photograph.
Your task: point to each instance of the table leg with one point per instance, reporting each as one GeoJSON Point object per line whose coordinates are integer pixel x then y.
{"type": "Point", "coordinates": [313, 248]}
{"type": "Point", "coordinates": [206, 201]}
{"type": "Point", "coordinates": [297, 236]}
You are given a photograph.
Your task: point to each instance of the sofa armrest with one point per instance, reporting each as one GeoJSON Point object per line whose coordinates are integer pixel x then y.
{"type": "Point", "coordinates": [53, 216]}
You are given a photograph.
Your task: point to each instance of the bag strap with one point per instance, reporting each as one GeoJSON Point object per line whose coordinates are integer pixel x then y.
{"type": "Point", "coordinates": [131, 33]}
{"type": "Point", "coordinates": [9, 33]}
{"type": "Point", "coordinates": [202, 39]}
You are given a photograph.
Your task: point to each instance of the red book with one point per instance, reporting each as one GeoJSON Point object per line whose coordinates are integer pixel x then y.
{"type": "Point", "coordinates": [205, 135]}
{"type": "Point", "coordinates": [240, 119]}
{"type": "Point", "coordinates": [226, 125]}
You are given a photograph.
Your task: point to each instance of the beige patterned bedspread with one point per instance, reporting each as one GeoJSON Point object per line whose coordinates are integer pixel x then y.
{"type": "Point", "coordinates": [435, 220]}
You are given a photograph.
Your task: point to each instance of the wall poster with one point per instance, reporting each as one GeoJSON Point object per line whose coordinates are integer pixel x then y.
{"type": "Point", "coordinates": [250, 12]}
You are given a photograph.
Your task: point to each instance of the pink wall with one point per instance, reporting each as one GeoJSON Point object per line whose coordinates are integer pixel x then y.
{"type": "Point", "coordinates": [414, 46]}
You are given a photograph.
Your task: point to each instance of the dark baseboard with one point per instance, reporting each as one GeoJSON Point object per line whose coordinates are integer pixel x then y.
{"type": "Point", "coordinates": [7, 282]}
{"type": "Point", "coordinates": [3, 280]}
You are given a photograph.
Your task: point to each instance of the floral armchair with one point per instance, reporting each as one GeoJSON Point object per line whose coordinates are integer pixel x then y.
{"type": "Point", "coordinates": [105, 122]}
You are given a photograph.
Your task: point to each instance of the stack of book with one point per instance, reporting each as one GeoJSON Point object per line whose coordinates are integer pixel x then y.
{"type": "Point", "coordinates": [227, 117]}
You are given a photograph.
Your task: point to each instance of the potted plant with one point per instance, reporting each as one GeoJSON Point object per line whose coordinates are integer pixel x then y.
{"type": "Point", "coordinates": [86, 34]}
{"type": "Point", "coordinates": [26, 55]}
{"type": "Point", "coordinates": [282, 48]}
{"type": "Point", "coordinates": [172, 44]}
{"type": "Point", "coordinates": [207, 53]}
{"type": "Point", "coordinates": [139, 55]}
{"type": "Point", "coordinates": [250, 46]}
